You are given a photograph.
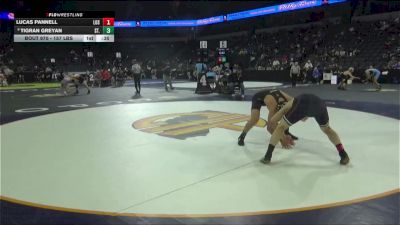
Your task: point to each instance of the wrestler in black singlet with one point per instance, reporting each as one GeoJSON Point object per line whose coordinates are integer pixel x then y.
{"type": "Point", "coordinates": [344, 77]}
{"type": "Point", "coordinates": [258, 99]}
{"type": "Point", "coordinates": [307, 105]}
{"type": "Point", "coordinates": [258, 102]}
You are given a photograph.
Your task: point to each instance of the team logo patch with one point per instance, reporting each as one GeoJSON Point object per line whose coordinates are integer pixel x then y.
{"type": "Point", "coordinates": [185, 125]}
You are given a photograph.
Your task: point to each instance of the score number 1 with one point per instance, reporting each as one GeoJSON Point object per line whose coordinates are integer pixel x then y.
{"type": "Point", "coordinates": [108, 21]}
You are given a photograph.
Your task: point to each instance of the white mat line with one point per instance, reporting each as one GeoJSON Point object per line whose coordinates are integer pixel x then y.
{"type": "Point", "coordinates": [187, 186]}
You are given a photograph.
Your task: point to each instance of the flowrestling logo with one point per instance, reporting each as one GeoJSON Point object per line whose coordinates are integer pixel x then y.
{"type": "Point", "coordinates": [296, 5]}
{"type": "Point", "coordinates": [185, 125]}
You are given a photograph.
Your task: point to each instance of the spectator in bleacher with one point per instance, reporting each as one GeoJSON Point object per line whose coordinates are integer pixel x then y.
{"type": "Point", "coordinates": [276, 64]}
{"type": "Point", "coordinates": [36, 71]}
{"type": "Point", "coordinates": [294, 73]}
{"type": "Point", "coordinates": [200, 68]}
{"type": "Point", "coordinates": [217, 69]}
{"type": "Point", "coordinates": [20, 75]}
{"type": "Point", "coordinates": [148, 69]}
{"type": "Point", "coordinates": [153, 71]}
{"type": "Point", "coordinates": [211, 77]}
{"type": "Point", "coordinates": [284, 60]}
{"type": "Point", "coordinates": [48, 72]}
{"type": "Point", "coordinates": [105, 78]}
{"type": "Point", "coordinates": [114, 76]}
{"type": "Point", "coordinates": [9, 74]}
{"type": "Point", "coordinates": [236, 79]}
{"type": "Point", "coordinates": [392, 63]}
{"type": "Point", "coordinates": [316, 75]}
{"type": "Point", "coordinates": [3, 79]}
{"type": "Point", "coordinates": [174, 68]}
{"type": "Point", "coordinates": [397, 66]}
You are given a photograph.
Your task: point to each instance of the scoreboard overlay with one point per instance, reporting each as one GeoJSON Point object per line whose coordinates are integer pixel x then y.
{"type": "Point", "coordinates": [64, 27]}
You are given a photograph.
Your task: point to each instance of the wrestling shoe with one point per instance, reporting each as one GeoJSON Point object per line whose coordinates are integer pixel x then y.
{"type": "Point", "coordinates": [344, 158]}
{"type": "Point", "coordinates": [265, 160]}
{"type": "Point", "coordinates": [241, 141]}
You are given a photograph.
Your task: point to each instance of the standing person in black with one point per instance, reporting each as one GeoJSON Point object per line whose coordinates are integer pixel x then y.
{"type": "Point", "coordinates": [294, 73]}
{"type": "Point", "coordinates": [273, 100]}
{"type": "Point", "coordinates": [300, 108]}
{"type": "Point", "coordinates": [137, 71]}
{"type": "Point", "coordinates": [167, 75]}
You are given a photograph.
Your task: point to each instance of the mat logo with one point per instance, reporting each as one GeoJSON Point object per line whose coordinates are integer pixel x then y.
{"type": "Point", "coordinates": [185, 125]}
